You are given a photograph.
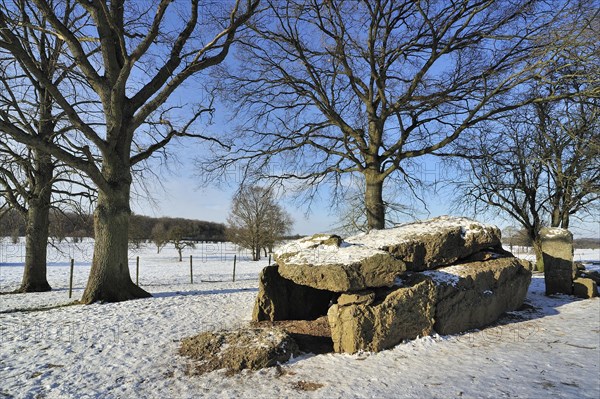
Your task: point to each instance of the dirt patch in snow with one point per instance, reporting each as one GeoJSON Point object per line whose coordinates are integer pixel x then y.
{"type": "Point", "coordinates": [307, 386]}
{"type": "Point", "coordinates": [249, 348]}
{"type": "Point", "coordinates": [312, 336]}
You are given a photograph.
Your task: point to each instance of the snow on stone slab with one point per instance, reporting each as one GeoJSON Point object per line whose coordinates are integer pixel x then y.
{"type": "Point", "coordinates": [311, 242]}
{"type": "Point", "coordinates": [447, 276]}
{"type": "Point", "coordinates": [407, 232]}
{"type": "Point", "coordinates": [556, 232]}
{"type": "Point", "coordinates": [450, 274]}
{"type": "Point", "coordinates": [323, 255]}
{"type": "Point", "coordinates": [432, 243]}
{"type": "Point", "coordinates": [326, 262]}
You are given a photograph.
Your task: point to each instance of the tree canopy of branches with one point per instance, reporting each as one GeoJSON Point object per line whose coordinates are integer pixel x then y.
{"type": "Point", "coordinates": [160, 237]}
{"type": "Point", "coordinates": [327, 88]}
{"type": "Point", "coordinates": [540, 164]}
{"type": "Point", "coordinates": [132, 56]}
{"type": "Point", "coordinates": [542, 169]}
{"type": "Point", "coordinates": [31, 180]}
{"type": "Point", "coordinates": [256, 221]}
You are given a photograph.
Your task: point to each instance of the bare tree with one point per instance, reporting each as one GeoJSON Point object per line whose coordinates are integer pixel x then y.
{"type": "Point", "coordinates": [159, 236]}
{"type": "Point", "coordinates": [30, 176]}
{"type": "Point", "coordinates": [27, 187]}
{"type": "Point", "coordinates": [278, 225]}
{"type": "Point", "coordinates": [352, 216]}
{"type": "Point", "coordinates": [327, 88]}
{"type": "Point", "coordinates": [132, 58]}
{"type": "Point", "coordinates": [179, 240]}
{"type": "Point", "coordinates": [176, 236]}
{"type": "Point", "coordinates": [540, 165]}
{"type": "Point", "coordinates": [256, 221]}
{"type": "Point", "coordinates": [32, 183]}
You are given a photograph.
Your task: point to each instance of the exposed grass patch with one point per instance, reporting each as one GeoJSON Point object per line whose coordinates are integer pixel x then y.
{"type": "Point", "coordinates": [303, 385]}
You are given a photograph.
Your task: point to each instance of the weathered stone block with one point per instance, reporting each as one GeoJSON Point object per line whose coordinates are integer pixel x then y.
{"type": "Point", "coordinates": [432, 243]}
{"type": "Point", "coordinates": [473, 295]}
{"type": "Point", "coordinates": [585, 288]}
{"type": "Point", "coordinates": [378, 302]}
{"type": "Point", "coordinates": [326, 263]}
{"type": "Point", "coordinates": [397, 314]}
{"type": "Point", "coordinates": [357, 298]}
{"type": "Point", "coordinates": [591, 274]}
{"type": "Point", "coordinates": [557, 254]}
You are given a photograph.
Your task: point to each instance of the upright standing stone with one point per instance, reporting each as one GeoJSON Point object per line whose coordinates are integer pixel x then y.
{"type": "Point", "coordinates": [557, 252]}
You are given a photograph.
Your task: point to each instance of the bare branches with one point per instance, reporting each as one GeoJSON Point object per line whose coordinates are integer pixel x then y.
{"type": "Point", "coordinates": [174, 132]}
{"type": "Point", "coordinates": [213, 53]}
{"type": "Point", "coordinates": [367, 85]}
{"type": "Point", "coordinates": [540, 165]}
{"type": "Point", "coordinates": [256, 221]}
{"type": "Point", "coordinates": [104, 49]}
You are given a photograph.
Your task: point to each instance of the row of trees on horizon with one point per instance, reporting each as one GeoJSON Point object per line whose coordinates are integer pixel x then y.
{"type": "Point", "coordinates": [141, 228]}
{"type": "Point", "coordinates": [321, 93]}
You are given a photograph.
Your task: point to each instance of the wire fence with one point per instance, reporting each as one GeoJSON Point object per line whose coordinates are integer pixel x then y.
{"type": "Point", "coordinates": [204, 263]}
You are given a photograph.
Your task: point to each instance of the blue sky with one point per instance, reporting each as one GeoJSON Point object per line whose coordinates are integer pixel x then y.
{"type": "Point", "coordinates": [182, 194]}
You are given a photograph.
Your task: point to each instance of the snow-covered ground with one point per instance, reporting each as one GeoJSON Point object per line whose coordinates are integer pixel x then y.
{"type": "Point", "coordinates": [129, 350]}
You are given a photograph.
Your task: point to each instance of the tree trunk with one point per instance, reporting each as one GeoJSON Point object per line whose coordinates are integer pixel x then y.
{"type": "Point", "coordinates": [256, 253]}
{"type": "Point", "coordinates": [36, 232]}
{"type": "Point", "coordinates": [537, 249]}
{"type": "Point", "coordinates": [565, 220]}
{"type": "Point", "coordinates": [556, 217]}
{"type": "Point", "coordinates": [109, 279]}
{"type": "Point", "coordinates": [374, 202]}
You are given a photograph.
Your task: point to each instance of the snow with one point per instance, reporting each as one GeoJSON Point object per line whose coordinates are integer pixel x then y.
{"type": "Point", "coordinates": [129, 349]}
{"type": "Point", "coordinates": [408, 231]}
{"type": "Point", "coordinates": [447, 276]}
{"type": "Point", "coordinates": [305, 243]}
{"type": "Point", "coordinates": [312, 251]}
{"type": "Point", "coordinates": [324, 255]}
{"type": "Point", "coordinates": [554, 232]}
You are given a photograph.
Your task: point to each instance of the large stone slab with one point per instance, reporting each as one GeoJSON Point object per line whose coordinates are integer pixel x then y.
{"type": "Point", "coordinates": [327, 263]}
{"type": "Point", "coordinates": [432, 243]}
{"type": "Point", "coordinates": [282, 299]}
{"type": "Point", "coordinates": [379, 319]}
{"type": "Point", "coordinates": [557, 253]}
{"type": "Point", "coordinates": [473, 295]}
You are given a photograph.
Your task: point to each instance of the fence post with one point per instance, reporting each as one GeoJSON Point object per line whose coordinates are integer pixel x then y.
{"type": "Point", "coordinates": [137, 271]}
{"type": "Point", "coordinates": [71, 278]}
{"type": "Point", "coordinates": [234, 262]}
{"type": "Point", "coordinates": [191, 271]}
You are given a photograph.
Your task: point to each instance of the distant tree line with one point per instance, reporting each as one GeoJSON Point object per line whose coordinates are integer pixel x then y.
{"type": "Point", "coordinates": [513, 236]}
{"type": "Point", "coordinates": [67, 224]}
{"type": "Point", "coordinates": [142, 227]}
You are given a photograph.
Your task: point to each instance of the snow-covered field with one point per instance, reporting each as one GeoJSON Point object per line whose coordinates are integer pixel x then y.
{"type": "Point", "coordinates": [129, 350]}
